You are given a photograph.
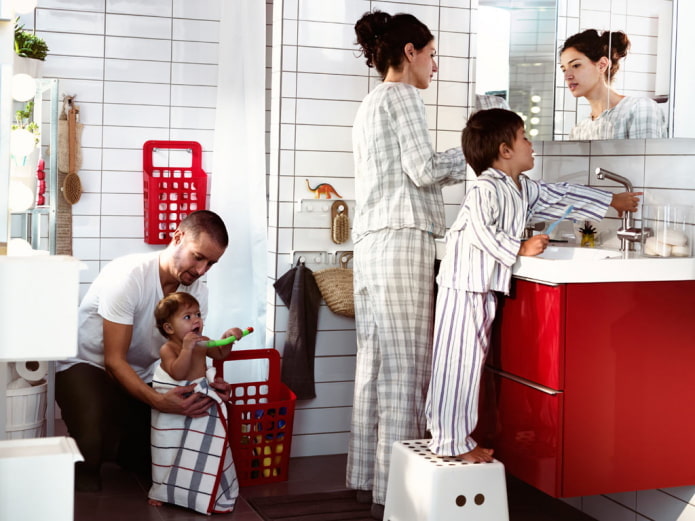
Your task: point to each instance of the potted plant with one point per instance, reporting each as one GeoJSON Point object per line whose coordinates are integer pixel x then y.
{"type": "Point", "coordinates": [30, 51]}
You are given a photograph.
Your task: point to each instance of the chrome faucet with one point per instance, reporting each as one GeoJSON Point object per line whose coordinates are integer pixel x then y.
{"type": "Point", "coordinates": [627, 233]}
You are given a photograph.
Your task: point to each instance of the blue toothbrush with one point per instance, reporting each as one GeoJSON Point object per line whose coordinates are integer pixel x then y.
{"type": "Point", "coordinates": [568, 210]}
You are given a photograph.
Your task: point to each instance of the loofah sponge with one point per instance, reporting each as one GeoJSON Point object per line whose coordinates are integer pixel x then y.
{"type": "Point", "coordinates": [340, 223]}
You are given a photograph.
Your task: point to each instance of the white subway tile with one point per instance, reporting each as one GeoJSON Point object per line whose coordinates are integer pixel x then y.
{"type": "Point", "coordinates": [73, 5]}
{"type": "Point", "coordinates": [124, 159]}
{"type": "Point", "coordinates": [193, 118]}
{"type": "Point", "coordinates": [117, 181]}
{"type": "Point", "coordinates": [125, 92]}
{"type": "Point", "coordinates": [91, 181]}
{"type": "Point", "coordinates": [453, 93]}
{"type": "Point", "coordinates": [333, 419]}
{"type": "Point", "coordinates": [132, 137]}
{"type": "Point", "coordinates": [310, 137]}
{"type": "Point", "coordinates": [112, 248]}
{"type": "Point", "coordinates": [453, 69]}
{"type": "Point", "coordinates": [318, 163]}
{"type": "Point", "coordinates": [138, 26]}
{"type": "Point", "coordinates": [89, 204]}
{"type": "Point", "coordinates": [193, 74]}
{"type": "Point", "coordinates": [121, 204]}
{"type": "Point", "coordinates": [134, 7]}
{"type": "Point", "coordinates": [326, 112]}
{"type": "Point", "coordinates": [328, 86]}
{"type": "Point", "coordinates": [451, 118]}
{"type": "Point", "coordinates": [319, 444]}
{"type": "Point", "coordinates": [427, 14]}
{"type": "Point", "coordinates": [138, 48]}
{"type": "Point", "coordinates": [328, 61]}
{"type": "Point", "coordinates": [194, 96]}
{"type": "Point", "coordinates": [670, 172]}
{"type": "Point", "coordinates": [65, 21]}
{"type": "Point", "coordinates": [324, 34]}
{"type": "Point", "coordinates": [91, 158]}
{"type": "Point", "coordinates": [129, 227]}
{"type": "Point", "coordinates": [455, 20]}
{"type": "Point", "coordinates": [78, 68]}
{"type": "Point", "coordinates": [333, 368]}
{"type": "Point", "coordinates": [200, 9]}
{"type": "Point", "coordinates": [453, 44]}
{"type": "Point", "coordinates": [136, 71]}
{"type": "Point", "coordinates": [86, 249]}
{"type": "Point", "coordinates": [136, 115]}
{"type": "Point", "coordinates": [76, 44]}
{"type": "Point", "coordinates": [340, 11]}
{"type": "Point", "coordinates": [196, 30]}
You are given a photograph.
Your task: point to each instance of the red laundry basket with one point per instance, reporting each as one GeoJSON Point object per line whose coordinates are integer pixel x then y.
{"type": "Point", "coordinates": [261, 416]}
{"type": "Point", "coordinates": [170, 191]}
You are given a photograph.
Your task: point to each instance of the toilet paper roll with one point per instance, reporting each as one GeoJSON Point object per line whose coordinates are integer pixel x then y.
{"type": "Point", "coordinates": [32, 371]}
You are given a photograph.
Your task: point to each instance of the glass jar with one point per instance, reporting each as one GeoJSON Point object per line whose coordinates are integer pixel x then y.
{"type": "Point", "coordinates": [667, 230]}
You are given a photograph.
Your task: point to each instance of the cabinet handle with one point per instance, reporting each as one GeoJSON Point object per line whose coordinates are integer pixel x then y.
{"type": "Point", "coordinates": [524, 381]}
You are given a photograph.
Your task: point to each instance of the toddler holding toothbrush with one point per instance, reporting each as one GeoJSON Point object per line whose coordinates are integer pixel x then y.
{"type": "Point", "coordinates": [481, 247]}
{"type": "Point", "coordinates": [187, 452]}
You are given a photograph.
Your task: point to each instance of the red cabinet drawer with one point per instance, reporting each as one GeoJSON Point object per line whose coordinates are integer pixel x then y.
{"type": "Point", "coordinates": [524, 426]}
{"type": "Point", "coordinates": [530, 325]}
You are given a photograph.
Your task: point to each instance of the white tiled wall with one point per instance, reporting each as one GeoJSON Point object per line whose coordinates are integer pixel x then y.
{"type": "Point", "coordinates": [140, 71]}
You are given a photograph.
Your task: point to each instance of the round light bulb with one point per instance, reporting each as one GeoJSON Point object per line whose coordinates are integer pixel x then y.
{"type": "Point", "coordinates": [535, 98]}
{"type": "Point", "coordinates": [533, 132]}
{"type": "Point", "coordinates": [535, 120]}
{"type": "Point", "coordinates": [22, 143]}
{"type": "Point", "coordinates": [535, 110]}
{"type": "Point", "coordinates": [24, 6]}
{"type": "Point", "coordinates": [23, 87]}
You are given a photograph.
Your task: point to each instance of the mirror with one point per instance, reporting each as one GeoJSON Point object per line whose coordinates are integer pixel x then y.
{"type": "Point", "coordinates": [516, 59]}
{"type": "Point", "coordinates": [525, 35]}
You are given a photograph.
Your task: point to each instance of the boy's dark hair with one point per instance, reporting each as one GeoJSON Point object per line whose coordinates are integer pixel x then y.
{"type": "Point", "coordinates": [485, 131]}
{"type": "Point", "coordinates": [169, 305]}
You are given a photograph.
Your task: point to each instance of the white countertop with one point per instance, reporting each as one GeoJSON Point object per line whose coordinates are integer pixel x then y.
{"type": "Point", "coordinates": [568, 264]}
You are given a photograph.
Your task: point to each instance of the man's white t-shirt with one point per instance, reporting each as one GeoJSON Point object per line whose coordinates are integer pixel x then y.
{"type": "Point", "coordinates": [126, 292]}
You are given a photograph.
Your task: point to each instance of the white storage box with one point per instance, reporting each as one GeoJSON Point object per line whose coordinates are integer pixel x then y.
{"type": "Point", "coordinates": [38, 477]}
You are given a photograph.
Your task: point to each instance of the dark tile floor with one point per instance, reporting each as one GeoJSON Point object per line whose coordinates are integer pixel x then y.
{"type": "Point", "coordinates": [124, 496]}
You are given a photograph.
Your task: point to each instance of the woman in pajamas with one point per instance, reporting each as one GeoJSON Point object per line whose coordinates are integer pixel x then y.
{"type": "Point", "coordinates": [399, 213]}
{"type": "Point", "coordinates": [482, 245]}
{"type": "Point", "coordinates": [589, 62]}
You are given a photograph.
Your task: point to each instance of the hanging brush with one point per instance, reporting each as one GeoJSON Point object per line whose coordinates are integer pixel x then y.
{"type": "Point", "coordinates": [340, 224]}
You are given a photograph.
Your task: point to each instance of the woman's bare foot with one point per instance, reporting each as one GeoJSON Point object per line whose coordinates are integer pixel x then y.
{"type": "Point", "coordinates": [154, 502]}
{"type": "Point", "coordinates": [477, 455]}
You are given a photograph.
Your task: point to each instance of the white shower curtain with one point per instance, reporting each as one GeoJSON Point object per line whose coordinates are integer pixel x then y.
{"type": "Point", "coordinates": [238, 193]}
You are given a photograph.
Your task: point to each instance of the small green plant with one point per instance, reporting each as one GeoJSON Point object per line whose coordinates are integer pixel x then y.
{"type": "Point", "coordinates": [24, 120]}
{"type": "Point", "coordinates": [27, 44]}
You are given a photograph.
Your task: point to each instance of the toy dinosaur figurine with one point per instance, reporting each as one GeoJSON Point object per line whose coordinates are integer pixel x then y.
{"type": "Point", "coordinates": [322, 188]}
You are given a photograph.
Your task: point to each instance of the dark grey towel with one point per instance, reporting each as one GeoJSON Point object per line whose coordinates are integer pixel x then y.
{"type": "Point", "coordinates": [298, 290]}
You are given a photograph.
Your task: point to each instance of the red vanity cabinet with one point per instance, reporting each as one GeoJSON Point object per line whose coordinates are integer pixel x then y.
{"type": "Point", "coordinates": [590, 387]}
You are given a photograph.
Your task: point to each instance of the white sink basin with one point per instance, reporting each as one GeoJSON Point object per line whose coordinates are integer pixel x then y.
{"type": "Point", "coordinates": [565, 264]}
{"type": "Point", "coordinates": [574, 253]}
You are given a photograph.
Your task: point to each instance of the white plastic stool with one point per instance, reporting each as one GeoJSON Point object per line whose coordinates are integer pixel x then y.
{"type": "Point", "coordinates": [425, 487]}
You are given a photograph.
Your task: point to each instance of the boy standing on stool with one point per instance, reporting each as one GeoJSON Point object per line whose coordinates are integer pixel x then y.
{"type": "Point", "coordinates": [481, 247]}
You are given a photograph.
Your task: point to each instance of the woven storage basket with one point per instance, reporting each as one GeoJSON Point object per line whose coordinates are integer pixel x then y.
{"type": "Point", "coordinates": [335, 285]}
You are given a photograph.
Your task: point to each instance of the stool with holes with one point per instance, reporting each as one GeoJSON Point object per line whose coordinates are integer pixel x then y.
{"type": "Point", "coordinates": [425, 487]}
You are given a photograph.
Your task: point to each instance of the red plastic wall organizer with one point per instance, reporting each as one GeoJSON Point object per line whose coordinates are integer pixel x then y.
{"type": "Point", "coordinates": [171, 192]}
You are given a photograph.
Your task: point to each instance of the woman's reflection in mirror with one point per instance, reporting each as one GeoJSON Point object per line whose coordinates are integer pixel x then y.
{"type": "Point", "coordinates": [590, 61]}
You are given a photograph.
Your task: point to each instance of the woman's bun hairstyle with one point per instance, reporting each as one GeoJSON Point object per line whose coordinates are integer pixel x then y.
{"type": "Point", "coordinates": [383, 37]}
{"type": "Point", "coordinates": [614, 45]}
